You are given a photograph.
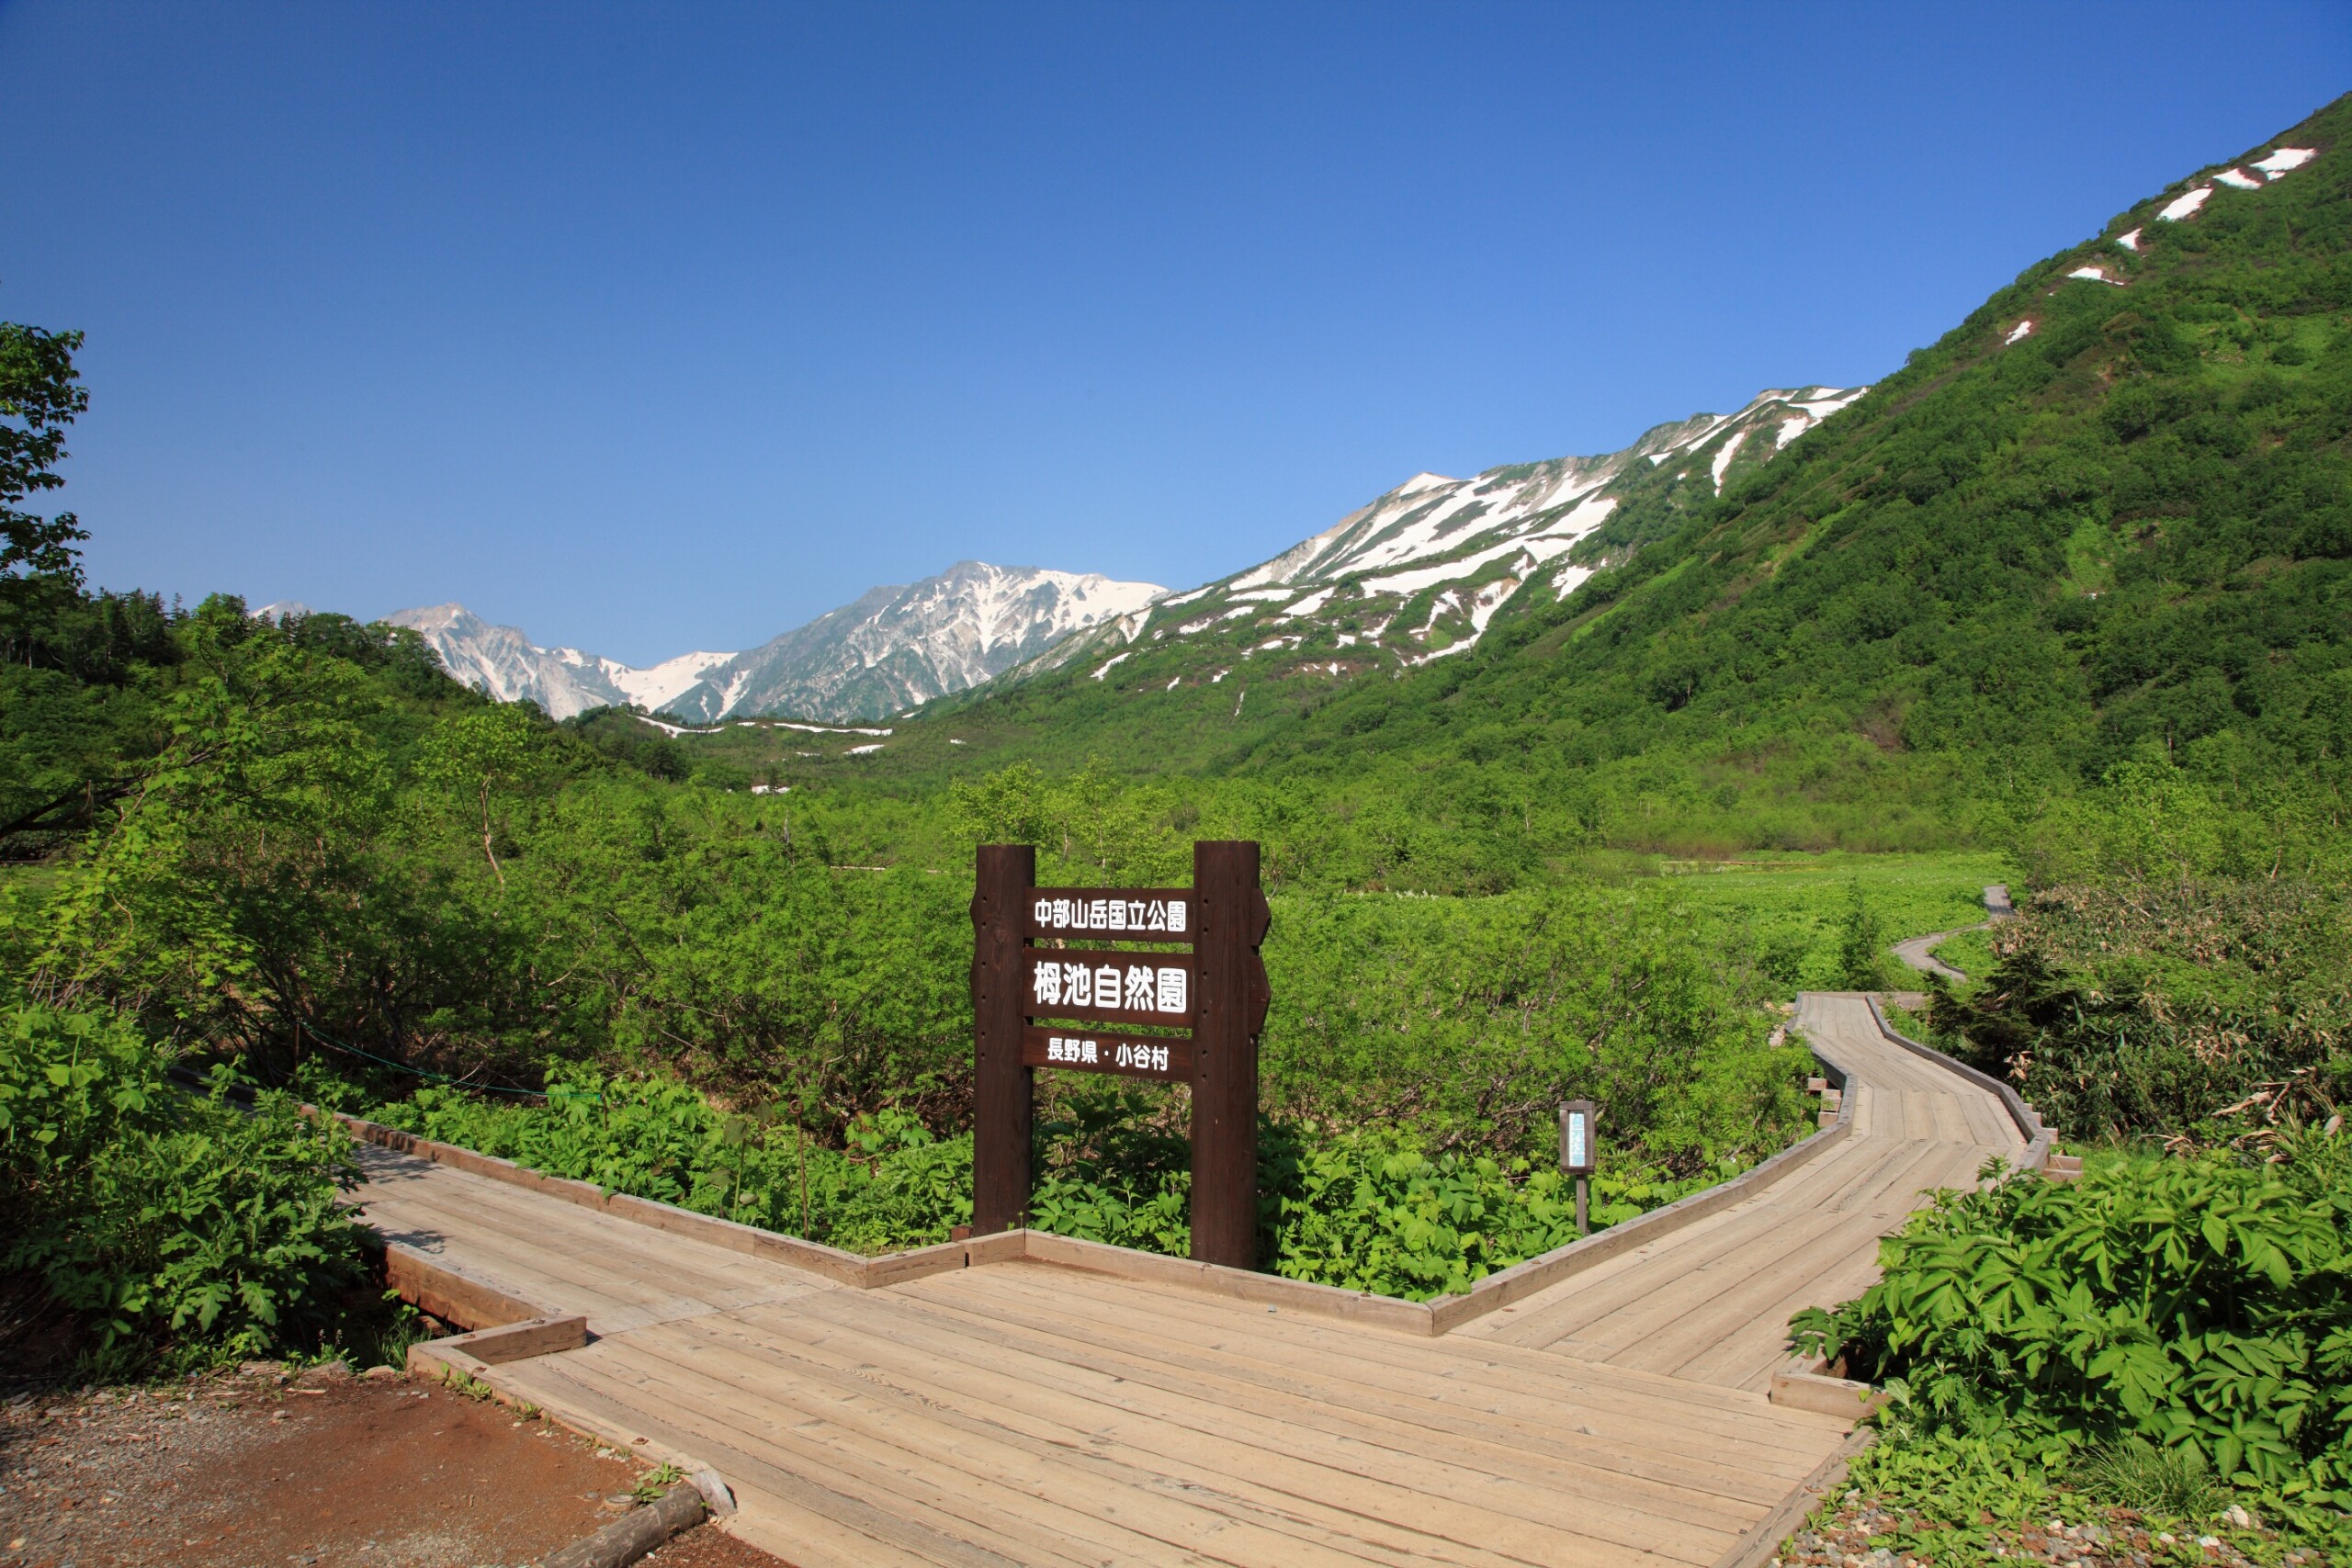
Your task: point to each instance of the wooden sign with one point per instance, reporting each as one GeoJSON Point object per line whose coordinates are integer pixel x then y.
{"type": "Point", "coordinates": [1577, 1154]}
{"type": "Point", "coordinates": [1036, 1006]}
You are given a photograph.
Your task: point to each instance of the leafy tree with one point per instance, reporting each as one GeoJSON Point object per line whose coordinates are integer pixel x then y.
{"type": "Point", "coordinates": [1861, 944]}
{"type": "Point", "coordinates": [37, 401]}
{"type": "Point", "coordinates": [479, 751]}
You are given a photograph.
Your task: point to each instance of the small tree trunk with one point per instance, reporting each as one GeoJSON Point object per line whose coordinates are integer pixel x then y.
{"type": "Point", "coordinates": [486, 850]}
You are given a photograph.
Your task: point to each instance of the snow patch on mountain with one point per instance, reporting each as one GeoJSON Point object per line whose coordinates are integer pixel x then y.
{"type": "Point", "coordinates": [2185, 206]}
{"type": "Point", "coordinates": [659, 685]}
{"type": "Point", "coordinates": [502, 662]}
{"type": "Point", "coordinates": [897, 648]}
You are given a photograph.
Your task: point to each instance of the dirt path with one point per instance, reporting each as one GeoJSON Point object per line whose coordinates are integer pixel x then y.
{"type": "Point", "coordinates": [243, 1469]}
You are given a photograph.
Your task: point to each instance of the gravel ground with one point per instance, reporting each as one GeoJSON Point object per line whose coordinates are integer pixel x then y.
{"type": "Point", "coordinates": [710, 1547]}
{"type": "Point", "coordinates": [1843, 1540]}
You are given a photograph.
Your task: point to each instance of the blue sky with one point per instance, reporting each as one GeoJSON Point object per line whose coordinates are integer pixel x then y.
{"type": "Point", "coordinates": [653, 328]}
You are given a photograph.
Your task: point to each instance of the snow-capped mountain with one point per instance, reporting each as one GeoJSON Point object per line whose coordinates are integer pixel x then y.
{"type": "Point", "coordinates": [894, 649]}
{"type": "Point", "coordinates": [507, 665]}
{"type": "Point", "coordinates": [1418, 573]}
{"type": "Point", "coordinates": [898, 648]}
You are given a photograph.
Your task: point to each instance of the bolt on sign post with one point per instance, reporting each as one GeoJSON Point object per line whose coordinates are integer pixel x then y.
{"type": "Point", "coordinates": [1578, 1153]}
{"type": "Point", "coordinates": [1187, 971]}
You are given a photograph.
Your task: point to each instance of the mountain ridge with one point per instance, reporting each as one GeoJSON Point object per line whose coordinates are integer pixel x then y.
{"type": "Point", "coordinates": [892, 648]}
{"type": "Point", "coordinates": [1419, 572]}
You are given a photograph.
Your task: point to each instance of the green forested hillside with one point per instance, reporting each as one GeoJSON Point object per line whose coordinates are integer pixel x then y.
{"type": "Point", "coordinates": [2015, 562]}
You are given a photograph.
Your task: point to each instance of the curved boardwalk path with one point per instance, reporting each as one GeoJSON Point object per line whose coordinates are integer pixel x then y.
{"type": "Point", "coordinates": [1029, 1412]}
{"type": "Point", "coordinates": [1710, 1302]}
{"type": "Point", "coordinates": [1919, 952]}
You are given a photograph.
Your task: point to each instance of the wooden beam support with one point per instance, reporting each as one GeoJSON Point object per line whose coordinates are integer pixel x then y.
{"type": "Point", "coordinates": [1002, 1101]}
{"type": "Point", "coordinates": [1230, 1010]}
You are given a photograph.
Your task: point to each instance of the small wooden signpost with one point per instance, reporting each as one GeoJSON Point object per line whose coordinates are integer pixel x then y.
{"type": "Point", "coordinates": [1186, 968]}
{"type": "Point", "coordinates": [1577, 1154]}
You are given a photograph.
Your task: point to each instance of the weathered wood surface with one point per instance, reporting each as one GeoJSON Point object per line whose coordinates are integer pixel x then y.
{"type": "Point", "coordinates": [1711, 1303]}
{"type": "Point", "coordinates": [1029, 1412]}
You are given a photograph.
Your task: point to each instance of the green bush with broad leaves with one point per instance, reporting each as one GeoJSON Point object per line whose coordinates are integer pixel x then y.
{"type": "Point", "coordinates": [1362, 1209]}
{"type": "Point", "coordinates": [1366, 1211]}
{"type": "Point", "coordinates": [896, 1185]}
{"type": "Point", "coordinates": [2198, 1305]}
{"type": "Point", "coordinates": [178, 1223]}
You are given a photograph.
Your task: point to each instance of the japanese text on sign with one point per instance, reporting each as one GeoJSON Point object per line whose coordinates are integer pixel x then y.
{"type": "Point", "coordinates": [1092, 1053]}
{"type": "Point", "coordinates": [1137, 987]}
{"type": "Point", "coordinates": [1161, 916]}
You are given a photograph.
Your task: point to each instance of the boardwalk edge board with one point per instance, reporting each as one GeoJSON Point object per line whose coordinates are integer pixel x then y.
{"type": "Point", "coordinates": [1760, 1541]}
{"type": "Point", "coordinates": [1440, 1315]}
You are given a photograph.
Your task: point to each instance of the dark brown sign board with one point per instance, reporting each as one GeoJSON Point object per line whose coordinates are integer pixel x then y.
{"type": "Point", "coordinates": [1033, 1006]}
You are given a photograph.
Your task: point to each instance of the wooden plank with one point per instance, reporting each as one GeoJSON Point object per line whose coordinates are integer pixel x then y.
{"type": "Point", "coordinates": [1069, 1480]}
{"type": "Point", "coordinates": [1523, 1521]}
{"type": "Point", "coordinates": [1707, 1309]}
{"type": "Point", "coordinates": [1113, 1421]}
{"type": "Point", "coordinates": [512, 1227]}
{"type": "Point", "coordinates": [520, 1341]}
{"type": "Point", "coordinates": [1603, 1423]}
{"type": "Point", "coordinates": [451, 1293]}
{"type": "Point", "coordinates": [1565, 1479]}
{"type": "Point", "coordinates": [1217, 1281]}
{"type": "Point", "coordinates": [1592, 1436]}
{"type": "Point", "coordinates": [1440, 1376]}
{"type": "Point", "coordinates": [444, 1186]}
{"type": "Point", "coordinates": [1033, 1502]}
{"type": "Point", "coordinates": [604, 1273]}
{"type": "Point", "coordinates": [1566, 1310]}
{"type": "Point", "coordinates": [569, 1390]}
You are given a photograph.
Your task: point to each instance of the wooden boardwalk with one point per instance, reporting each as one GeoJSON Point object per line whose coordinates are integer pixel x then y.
{"type": "Point", "coordinates": [1031, 1412]}
{"type": "Point", "coordinates": [1710, 1302]}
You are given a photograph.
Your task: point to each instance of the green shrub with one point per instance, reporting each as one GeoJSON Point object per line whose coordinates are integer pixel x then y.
{"type": "Point", "coordinates": [895, 1186]}
{"type": "Point", "coordinates": [2128, 1008]}
{"type": "Point", "coordinates": [1368, 1211]}
{"type": "Point", "coordinates": [2198, 1306]}
{"type": "Point", "coordinates": [178, 1223]}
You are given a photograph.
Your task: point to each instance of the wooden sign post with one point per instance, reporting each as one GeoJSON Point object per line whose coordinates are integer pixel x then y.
{"type": "Point", "coordinates": [1186, 969]}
